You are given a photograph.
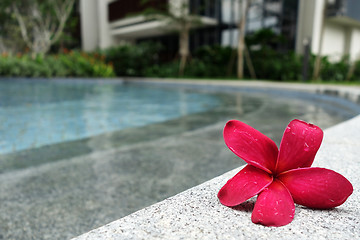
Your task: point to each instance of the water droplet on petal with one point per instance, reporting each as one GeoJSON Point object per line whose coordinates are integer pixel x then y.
{"type": "Point", "coordinates": [288, 129]}
{"type": "Point", "coordinates": [306, 147]}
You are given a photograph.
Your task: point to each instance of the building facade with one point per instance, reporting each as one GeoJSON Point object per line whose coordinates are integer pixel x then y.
{"type": "Point", "coordinates": [106, 23]}
{"type": "Point", "coordinates": [338, 21]}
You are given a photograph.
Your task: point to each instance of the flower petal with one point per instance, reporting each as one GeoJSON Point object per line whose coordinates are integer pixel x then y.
{"type": "Point", "coordinates": [317, 187]}
{"type": "Point", "coordinates": [298, 146]}
{"type": "Point", "coordinates": [251, 145]}
{"type": "Point", "coordinates": [274, 206]}
{"type": "Point", "coordinates": [244, 185]}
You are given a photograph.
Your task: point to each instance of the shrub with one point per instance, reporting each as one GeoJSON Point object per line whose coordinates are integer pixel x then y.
{"type": "Point", "coordinates": [268, 60]}
{"type": "Point", "coordinates": [73, 64]}
{"type": "Point", "coordinates": [164, 70]}
{"type": "Point", "coordinates": [356, 74]}
{"type": "Point", "coordinates": [336, 71]}
{"type": "Point", "coordinates": [132, 60]}
{"type": "Point", "coordinates": [207, 61]}
{"type": "Point", "coordinates": [210, 61]}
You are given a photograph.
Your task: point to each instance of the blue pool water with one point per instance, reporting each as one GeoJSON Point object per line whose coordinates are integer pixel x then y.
{"type": "Point", "coordinates": [35, 113]}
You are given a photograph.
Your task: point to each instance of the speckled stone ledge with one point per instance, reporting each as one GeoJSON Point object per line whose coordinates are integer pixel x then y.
{"type": "Point", "coordinates": [197, 213]}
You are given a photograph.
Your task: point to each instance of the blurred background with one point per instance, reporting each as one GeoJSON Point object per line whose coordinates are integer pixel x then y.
{"type": "Point", "coordinates": [286, 40]}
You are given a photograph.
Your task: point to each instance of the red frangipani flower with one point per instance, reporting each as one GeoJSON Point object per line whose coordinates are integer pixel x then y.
{"type": "Point", "coordinates": [281, 177]}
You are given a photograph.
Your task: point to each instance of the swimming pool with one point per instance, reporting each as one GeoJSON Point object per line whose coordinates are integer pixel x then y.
{"type": "Point", "coordinates": [61, 111]}
{"type": "Point", "coordinates": [60, 189]}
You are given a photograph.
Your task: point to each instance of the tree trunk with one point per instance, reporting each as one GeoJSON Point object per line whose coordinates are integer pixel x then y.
{"type": "Point", "coordinates": [241, 43]}
{"type": "Point", "coordinates": [352, 68]}
{"type": "Point", "coordinates": [249, 63]}
{"type": "Point", "coordinates": [317, 66]}
{"type": "Point", "coordinates": [183, 48]}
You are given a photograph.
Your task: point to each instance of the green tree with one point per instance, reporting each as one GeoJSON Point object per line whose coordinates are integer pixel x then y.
{"type": "Point", "coordinates": [179, 18]}
{"type": "Point", "coordinates": [10, 36]}
{"type": "Point", "coordinates": [40, 22]}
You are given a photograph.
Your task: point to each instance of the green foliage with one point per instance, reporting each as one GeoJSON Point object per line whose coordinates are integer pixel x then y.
{"type": "Point", "coordinates": [164, 70]}
{"type": "Point", "coordinates": [335, 71]}
{"type": "Point", "coordinates": [268, 61]}
{"type": "Point", "coordinates": [216, 62]}
{"type": "Point", "coordinates": [72, 64]}
{"type": "Point", "coordinates": [356, 75]}
{"type": "Point", "coordinates": [270, 64]}
{"type": "Point", "coordinates": [209, 61]}
{"type": "Point", "coordinates": [69, 38]}
{"type": "Point", "coordinates": [132, 60]}
{"type": "Point", "coordinates": [213, 62]}
{"type": "Point", "coordinates": [265, 38]}
{"type": "Point", "coordinates": [144, 59]}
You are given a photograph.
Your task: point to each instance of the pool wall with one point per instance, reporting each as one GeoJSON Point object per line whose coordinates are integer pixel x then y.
{"type": "Point", "coordinates": [197, 213]}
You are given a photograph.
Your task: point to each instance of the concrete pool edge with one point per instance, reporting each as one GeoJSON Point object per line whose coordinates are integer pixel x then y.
{"type": "Point", "coordinates": [350, 92]}
{"type": "Point", "coordinates": [197, 214]}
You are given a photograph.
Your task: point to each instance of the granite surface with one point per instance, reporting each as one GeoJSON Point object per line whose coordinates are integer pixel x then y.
{"type": "Point", "coordinates": [197, 213]}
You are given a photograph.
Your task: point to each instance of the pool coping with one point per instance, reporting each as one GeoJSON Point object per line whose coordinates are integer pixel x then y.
{"type": "Point", "coordinates": [351, 93]}
{"type": "Point", "coordinates": [197, 214]}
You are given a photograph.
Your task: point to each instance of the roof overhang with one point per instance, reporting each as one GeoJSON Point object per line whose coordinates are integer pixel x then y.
{"type": "Point", "coordinates": [140, 27]}
{"type": "Point", "coordinates": [344, 20]}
